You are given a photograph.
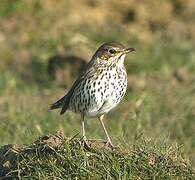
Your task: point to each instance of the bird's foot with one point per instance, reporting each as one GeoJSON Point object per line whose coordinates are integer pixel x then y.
{"type": "Point", "coordinates": [109, 144]}
{"type": "Point", "coordinates": [85, 143]}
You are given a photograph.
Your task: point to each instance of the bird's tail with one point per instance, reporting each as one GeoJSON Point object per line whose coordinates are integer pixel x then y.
{"type": "Point", "coordinates": [58, 104]}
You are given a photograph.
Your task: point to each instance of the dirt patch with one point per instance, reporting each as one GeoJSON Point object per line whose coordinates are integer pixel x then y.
{"type": "Point", "coordinates": [55, 151]}
{"type": "Point", "coordinates": [65, 69]}
{"type": "Point", "coordinates": [11, 155]}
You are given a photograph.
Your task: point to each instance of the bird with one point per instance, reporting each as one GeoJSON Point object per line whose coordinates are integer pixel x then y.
{"type": "Point", "coordinates": [99, 87]}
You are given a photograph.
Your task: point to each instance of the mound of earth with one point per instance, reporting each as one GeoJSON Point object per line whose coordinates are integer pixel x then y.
{"type": "Point", "coordinates": [54, 156]}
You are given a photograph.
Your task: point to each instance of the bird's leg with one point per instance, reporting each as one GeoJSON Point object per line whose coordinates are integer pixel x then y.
{"type": "Point", "coordinates": [109, 142]}
{"type": "Point", "coordinates": [85, 143]}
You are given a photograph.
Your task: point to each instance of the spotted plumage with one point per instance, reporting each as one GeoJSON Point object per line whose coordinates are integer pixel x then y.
{"type": "Point", "coordinates": [100, 87]}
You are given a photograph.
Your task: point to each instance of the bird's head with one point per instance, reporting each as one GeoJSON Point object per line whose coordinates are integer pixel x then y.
{"type": "Point", "coordinates": [110, 53]}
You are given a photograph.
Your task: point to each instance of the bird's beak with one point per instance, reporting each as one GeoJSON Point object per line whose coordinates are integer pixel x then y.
{"type": "Point", "coordinates": [128, 50]}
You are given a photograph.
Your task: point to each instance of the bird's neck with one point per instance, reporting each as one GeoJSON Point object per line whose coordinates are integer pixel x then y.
{"type": "Point", "coordinates": [117, 62]}
{"type": "Point", "coordinates": [121, 60]}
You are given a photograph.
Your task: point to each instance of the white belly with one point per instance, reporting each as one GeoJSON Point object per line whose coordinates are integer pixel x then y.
{"type": "Point", "coordinates": [101, 94]}
{"type": "Point", "coordinates": [102, 103]}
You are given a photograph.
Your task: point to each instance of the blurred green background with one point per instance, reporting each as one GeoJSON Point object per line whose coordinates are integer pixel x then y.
{"type": "Point", "coordinates": [45, 43]}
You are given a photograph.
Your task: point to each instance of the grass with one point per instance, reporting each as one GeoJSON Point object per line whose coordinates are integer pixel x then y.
{"type": "Point", "coordinates": [155, 119]}
{"type": "Point", "coordinates": [157, 104]}
{"type": "Point", "coordinates": [52, 156]}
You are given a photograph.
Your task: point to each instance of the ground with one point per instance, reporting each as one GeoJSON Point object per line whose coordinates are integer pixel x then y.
{"type": "Point", "coordinates": [53, 156]}
{"type": "Point", "coordinates": [158, 109]}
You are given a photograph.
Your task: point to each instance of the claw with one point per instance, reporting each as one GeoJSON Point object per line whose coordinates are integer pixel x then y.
{"type": "Point", "coordinates": [109, 144]}
{"type": "Point", "coordinates": [85, 143]}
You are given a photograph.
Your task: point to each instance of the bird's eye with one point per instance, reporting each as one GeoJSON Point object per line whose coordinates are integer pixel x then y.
{"type": "Point", "coordinates": [111, 51]}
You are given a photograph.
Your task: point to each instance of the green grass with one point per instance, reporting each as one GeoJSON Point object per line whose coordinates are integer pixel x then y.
{"type": "Point", "coordinates": [52, 157]}
{"type": "Point", "coordinates": [157, 107]}
{"type": "Point", "coordinates": [156, 116]}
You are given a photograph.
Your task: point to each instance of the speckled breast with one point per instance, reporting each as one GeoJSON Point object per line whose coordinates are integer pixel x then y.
{"type": "Point", "coordinates": [100, 93]}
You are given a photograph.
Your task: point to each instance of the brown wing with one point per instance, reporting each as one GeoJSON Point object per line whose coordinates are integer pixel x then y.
{"type": "Point", "coordinates": [68, 96]}
{"type": "Point", "coordinates": [84, 74]}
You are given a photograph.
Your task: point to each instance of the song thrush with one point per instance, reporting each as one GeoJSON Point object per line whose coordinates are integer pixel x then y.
{"type": "Point", "coordinates": [100, 87]}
